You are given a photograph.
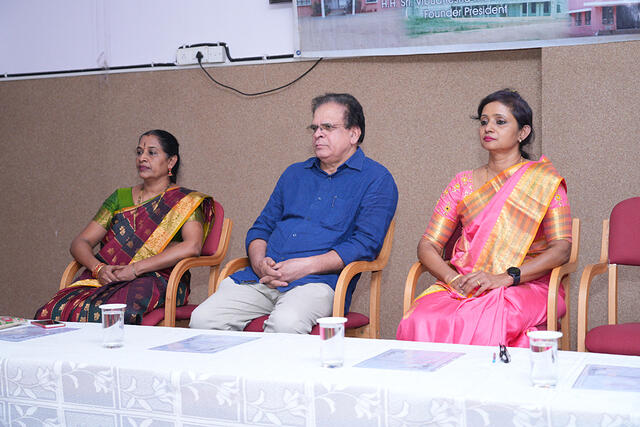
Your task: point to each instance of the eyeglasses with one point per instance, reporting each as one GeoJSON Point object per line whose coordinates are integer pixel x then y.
{"type": "Point", "coordinates": [504, 354]}
{"type": "Point", "coordinates": [327, 127]}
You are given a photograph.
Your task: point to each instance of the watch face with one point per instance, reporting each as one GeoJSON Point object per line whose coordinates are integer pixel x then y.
{"type": "Point", "coordinates": [515, 273]}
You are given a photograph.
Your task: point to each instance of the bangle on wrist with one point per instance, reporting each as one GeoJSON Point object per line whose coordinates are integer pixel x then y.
{"type": "Point", "coordinates": [457, 276]}
{"type": "Point", "coordinates": [96, 269]}
{"type": "Point", "coordinates": [133, 266]}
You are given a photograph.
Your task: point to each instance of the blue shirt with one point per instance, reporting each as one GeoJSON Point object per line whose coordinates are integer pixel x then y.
{"type": "Point", "coordinates": [311, 213]}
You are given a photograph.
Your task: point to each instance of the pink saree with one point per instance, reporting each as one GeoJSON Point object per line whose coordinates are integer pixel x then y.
{"type": "Point", "coordinates": [508, 220]}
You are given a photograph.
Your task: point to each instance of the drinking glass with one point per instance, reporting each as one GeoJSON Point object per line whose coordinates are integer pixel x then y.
{"type": "Point", "coordinates": [113, 325]}
{"type": "Point", "coordinates": [332, 341]}
{"type": "Point", "coordinates": [544, 357]}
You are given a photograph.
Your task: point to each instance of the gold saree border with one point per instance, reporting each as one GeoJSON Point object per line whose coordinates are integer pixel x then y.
{"type": "Point", "coordinates": [86, 282]}
{"type": "Point", "coordinates": [557, 223]}
{"type": "Point", "coordinates": [439, 230]}
{"type": "Point", "coordinates": [169, 226]}
{"type": "Point", "coordinates": [471, 205]}
{"type": "Point", "coordinates": [519, 218]}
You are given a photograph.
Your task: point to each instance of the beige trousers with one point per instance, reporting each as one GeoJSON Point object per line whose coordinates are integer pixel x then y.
{"type": "Point", "coordinates": [234, 305]}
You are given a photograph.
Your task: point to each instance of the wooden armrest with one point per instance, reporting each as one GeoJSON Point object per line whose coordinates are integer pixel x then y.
{"type": "Point", "coordinates": [69, 273]}
{"type": "Point", "coordinates": [558, 273]}
{"type": "Point", "coordinates": [590, 271]}
{"type": "Point", "coordinates": [178, 271]}
{"type": "Point", "coordinates": [557, 276]}
{"type": "Point", "coordinates": [344, 279]}
{"type": "Point", "coordinates": [231, 267]}
{"type": "Point", "coordinates": [375, 267]}
{"type": "Point", "coordinates": [416, 270]}
{"type": "Point", "coordinates": [212, 261]}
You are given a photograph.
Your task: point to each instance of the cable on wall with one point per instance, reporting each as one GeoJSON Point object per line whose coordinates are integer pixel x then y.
{"type": "Point", "coordinates": [199, 57]}
{"type": "Point", "coordinates": [86, 70]}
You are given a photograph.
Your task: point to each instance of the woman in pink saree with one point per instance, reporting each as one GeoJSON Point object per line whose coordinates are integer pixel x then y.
{"type": "Point", "coordinates": [516, 227]}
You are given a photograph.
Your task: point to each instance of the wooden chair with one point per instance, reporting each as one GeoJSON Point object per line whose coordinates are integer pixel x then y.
{"type": "Point", "coordinates": [357, 325]}
{"type": "Point", "coordinates": [213, 252]}
{"type": "Point", "coordinates": [559, 277]}
{"type": "Point", "coordinates": [620, 246]}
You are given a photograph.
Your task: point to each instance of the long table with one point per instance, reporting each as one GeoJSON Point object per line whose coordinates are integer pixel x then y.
{"type": "Point", "coordinates": [69, 379]}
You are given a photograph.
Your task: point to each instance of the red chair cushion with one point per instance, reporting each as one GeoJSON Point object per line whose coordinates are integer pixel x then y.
{"type": "Point", "coordinates": [354, 320]}
{"type": "Point", "coordinates": [156, 316]}
{"type": "Point", "coordinates": [615, 339]}
{"type": "Point", "coordinates": [256, 325]}
{"type": "Point", "coordinates": [153, 318]}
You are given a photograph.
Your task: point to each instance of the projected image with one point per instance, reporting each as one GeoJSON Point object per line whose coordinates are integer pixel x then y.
{"type": "Point", "coordinates": [348, 27]}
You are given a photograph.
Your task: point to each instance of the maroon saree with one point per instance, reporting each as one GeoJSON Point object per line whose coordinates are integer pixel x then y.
{"type": "Point", "coordinates": [135, 233]}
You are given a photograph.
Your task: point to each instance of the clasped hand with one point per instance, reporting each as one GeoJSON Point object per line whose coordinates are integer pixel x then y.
{"type": "Point", "coordinates": [277, 274]}
{"type": "Point", "coordinates": [480, 282]}
{"type": "Point", "coordinates": [115, 273]}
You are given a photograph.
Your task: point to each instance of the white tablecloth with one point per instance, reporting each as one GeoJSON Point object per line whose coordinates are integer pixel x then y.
{"type": "Point", "coordinates": [69, 379]}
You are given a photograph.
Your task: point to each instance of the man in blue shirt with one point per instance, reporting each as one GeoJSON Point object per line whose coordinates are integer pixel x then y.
{"type": "Point", "coordinates": [324, 213]}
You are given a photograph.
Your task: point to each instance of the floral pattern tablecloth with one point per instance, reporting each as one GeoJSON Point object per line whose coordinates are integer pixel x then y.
{"type": "Point", "coordinates": [68, 379]}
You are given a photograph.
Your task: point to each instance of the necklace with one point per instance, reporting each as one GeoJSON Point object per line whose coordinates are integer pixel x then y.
{"type": "Point", "coordinates": [486, 169]}
{"type": "Point", "coordinates": [139, 201]}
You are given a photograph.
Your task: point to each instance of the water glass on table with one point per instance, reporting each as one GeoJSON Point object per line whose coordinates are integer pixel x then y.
{"type": "Point", "coordinates": [112, 325]}
{"type": "Point", "coordinates": [332, 341]}
{"type": "Point", "coordinates": [544, 357]}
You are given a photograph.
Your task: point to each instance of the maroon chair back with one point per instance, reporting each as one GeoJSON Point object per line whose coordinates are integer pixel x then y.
{"type": "Point", "coordinates": [624, 249]}
{"type": "Point", "coordinates": [447, 252]}
{"type": "Point", "coordinates": [624, 232]}
{"type": "Point", "coordinates": [210, 245]}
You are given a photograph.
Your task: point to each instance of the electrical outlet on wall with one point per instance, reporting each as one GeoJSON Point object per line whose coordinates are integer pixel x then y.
{"type": "Point", "coordinates": [210, 54]}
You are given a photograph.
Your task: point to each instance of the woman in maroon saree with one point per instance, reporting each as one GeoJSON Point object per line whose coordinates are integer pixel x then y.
{"type": "Point", "coordinates": [140, 241]}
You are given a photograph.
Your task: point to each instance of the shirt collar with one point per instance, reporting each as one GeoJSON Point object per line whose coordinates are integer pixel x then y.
{"type": "Point", "coordinates": [356, 161]}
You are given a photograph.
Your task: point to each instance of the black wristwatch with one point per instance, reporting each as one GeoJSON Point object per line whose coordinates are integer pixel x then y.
{"type": "Point", "coordinates": [514, 272]}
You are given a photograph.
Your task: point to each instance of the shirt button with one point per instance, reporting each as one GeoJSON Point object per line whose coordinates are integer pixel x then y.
{"type": "Point", "coordinates": [319, 198]}
{"type": "Point", "coordinates": [294, 234]}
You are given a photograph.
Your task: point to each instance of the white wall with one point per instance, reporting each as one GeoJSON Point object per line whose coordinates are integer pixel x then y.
{"type": "Point", "coordinates": [59, 35]}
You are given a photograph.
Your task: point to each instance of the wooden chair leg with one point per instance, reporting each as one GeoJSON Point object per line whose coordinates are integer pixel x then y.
{"type": "Point", "coordinates": [565, 322]}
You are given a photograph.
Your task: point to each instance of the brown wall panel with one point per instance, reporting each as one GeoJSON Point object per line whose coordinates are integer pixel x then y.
{"type": "Point", "coordinates": [68, 142]}
{"type": "Point", "coordinates": [591, 104]}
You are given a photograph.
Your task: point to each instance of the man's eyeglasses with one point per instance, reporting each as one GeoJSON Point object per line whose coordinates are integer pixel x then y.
{"type": "Point", "coordinates": [326, 127]}
{"type": "Point", "coordinates": [504, 354]}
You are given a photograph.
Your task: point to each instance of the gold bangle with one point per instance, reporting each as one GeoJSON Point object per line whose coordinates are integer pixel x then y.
{"type": "Point", "coordinates": [133, 266]}
{"type": "Point", "coordinates": [96, 269]}
{"type": "Point", "coordinates": [454, 279]}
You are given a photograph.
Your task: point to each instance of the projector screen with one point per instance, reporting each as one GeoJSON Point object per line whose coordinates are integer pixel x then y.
{"type": "Point", "coordinates": [61, 35]}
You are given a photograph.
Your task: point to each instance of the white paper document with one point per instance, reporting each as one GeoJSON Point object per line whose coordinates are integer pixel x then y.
{"type": "Point", "coordinates": [29, 332]}
{"type": "Point", "coordinates": [608, 377]}
{"type": "Point", "coordinates": [204, 344]}
{"type": "Point", "coordinates": [409, 360]}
